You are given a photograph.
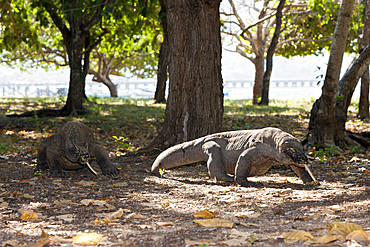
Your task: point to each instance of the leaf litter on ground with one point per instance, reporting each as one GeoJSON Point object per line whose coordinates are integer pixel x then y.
{"type": "Point", "coordinates": [345, 185]}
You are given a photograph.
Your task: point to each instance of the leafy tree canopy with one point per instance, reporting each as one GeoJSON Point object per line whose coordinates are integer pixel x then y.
{"type": "Point", "coordinates": [311, 31]}
{"type": "Point", "coordinates": [132, 34]}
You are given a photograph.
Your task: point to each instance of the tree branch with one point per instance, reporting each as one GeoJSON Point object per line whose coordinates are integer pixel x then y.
{"type": "Point", "coordinates": [97, 16]}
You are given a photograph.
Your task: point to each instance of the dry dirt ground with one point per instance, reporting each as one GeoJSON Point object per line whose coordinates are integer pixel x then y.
{"type": "Point", "coordinates": [135, 208]}
{"type": "Point", "coordinates": [155, 211]}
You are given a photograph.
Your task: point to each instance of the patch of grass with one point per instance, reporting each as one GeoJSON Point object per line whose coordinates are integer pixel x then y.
{"type": "Point", "coordinates": [140, 120]}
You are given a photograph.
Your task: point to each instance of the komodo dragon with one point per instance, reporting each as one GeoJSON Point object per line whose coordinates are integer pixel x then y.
{"type": "Point", "coordinates": [244, 153]}
{"type": "Point", "coordinates": [71, 148]}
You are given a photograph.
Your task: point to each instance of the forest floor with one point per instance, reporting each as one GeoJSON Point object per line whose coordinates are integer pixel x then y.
{"type": "Point", "coordinates": [135, 208]}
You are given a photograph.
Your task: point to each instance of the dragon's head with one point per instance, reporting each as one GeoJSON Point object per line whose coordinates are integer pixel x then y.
{"type": "Point", "coordinates": [294, 150]}
{"type": "Point", "coordinates": [78, 147]}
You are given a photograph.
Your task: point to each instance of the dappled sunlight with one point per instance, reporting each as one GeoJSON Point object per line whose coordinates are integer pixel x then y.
{"type": "Point", "coordinates": [133, 205]}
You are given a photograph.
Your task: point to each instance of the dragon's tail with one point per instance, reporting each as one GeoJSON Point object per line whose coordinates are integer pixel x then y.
{"type": "Point", "coordinates": [178, 155]}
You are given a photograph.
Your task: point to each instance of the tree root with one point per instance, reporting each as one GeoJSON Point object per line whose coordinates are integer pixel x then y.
{"type": "Point", "coordinates": [361, 138]}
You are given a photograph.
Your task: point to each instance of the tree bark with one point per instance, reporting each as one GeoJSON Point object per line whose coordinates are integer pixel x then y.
{"type": "Point", "coordinates": [103, 71]}
{"type": "Point", "coordinates": [258, 77]}
{"type": "Point", "coordinates": [270, 53]}
{"type": "Point", "coordinates": [76, 90]}
{"type": "Point", "coordinates": [363, 106]}
{"type": "Point", "coordinates": [346, 88]}
{"type": "Point", "coordinates": [322, 120]}
{"type": "Point", "coordinates": [163, 59]}
{"type": "Point", "coordinates": [104, 78]}
{"type": "Point", "coordinates": [76, 37]}
{"type": "Point", "coordinates": [195, 102]}
{"type": "Point", "coordinates": [363, 110]}
{"type": "Point", "coordinates": [259, 51]}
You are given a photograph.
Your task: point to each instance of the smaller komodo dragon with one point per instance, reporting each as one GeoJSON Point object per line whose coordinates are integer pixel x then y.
{"type": "Point", "coordinates": [72, 148]}
{"type": "Point", "coordinates": [244, 153]}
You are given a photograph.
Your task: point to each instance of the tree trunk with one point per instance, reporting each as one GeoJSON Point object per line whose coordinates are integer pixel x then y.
{"type": "Point", "coordinates": [76, 37]}
{"type": "Point", "coordinates": [76, 90]}
{"type": "Point", "coordinates": [195, 101]}
{"type": "Point", "coordinates": [322, 120]}
{"type": "Point", "coordinates": [163, 59]}
{"type": "Point", "coordinates": [259, 51]}
{"type": "Point", "coordinates": [270, 53]}
{"type": "Point", "coordinates": [346, 88]}
{"type": "Point", "coordinates": [258, 77]}
{"type": "Point", "coordinates": [99, 77]}
{"type": "Point", "coordinates": [363, 109]}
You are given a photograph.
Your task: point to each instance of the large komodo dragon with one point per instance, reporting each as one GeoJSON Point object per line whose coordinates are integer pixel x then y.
{"type": "Point", "coordinates": [72, 148]}
{"type": "Point", "coordinates": [245, 153]}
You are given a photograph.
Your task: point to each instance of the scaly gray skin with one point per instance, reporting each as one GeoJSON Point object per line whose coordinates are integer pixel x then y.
{"type": "Point", "coordinates": [70, 149]}
{"type": "Point", "coordinates": [245, 153]}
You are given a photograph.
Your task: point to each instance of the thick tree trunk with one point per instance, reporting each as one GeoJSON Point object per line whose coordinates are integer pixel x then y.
{"type": "Point", "coordinates": [322, 120]}
{"type": "Point", "coordinates": [195, 102]}
{"type": "Point", "coordinates": [76, 90]}
{"type": "Point", "coordinates": [363, 109]}
{"type": "Point", "coordinates": [163, 58]}
{"type": "Point", "coordinates": [346, 88]}
{"type": "Point", "coordinates": [270, 53]}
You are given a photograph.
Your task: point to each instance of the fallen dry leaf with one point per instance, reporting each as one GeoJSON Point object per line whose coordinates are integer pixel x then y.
{"type": "Point", "coordinates": [205, 214]}
{"type": "Point", "coordinates": [109, 218]}
{"type": "Point", "coordinates": [14, 243]}
{"type": "Point", "coordinates": [248, 214]}
{"type": "Point", "coordinates": [4, 205]}
{"type": "Point", "coordinates": [343, 228]}
{"type": "Point", "coordinates": [28, 196]}
{"type": "Point", "coordinates": [236, 242]}
{"type": "Point", "coordinates": [28, 217]}
{"type": "Point", "coordinates": [354, 159]}
{"type": "Point", "coordinates": [204, 242]}
{"type": "Point", "coordinates": [144, 226]}
{"type": "Point", "coordinates": [135, 216]}
{"type": "Point", "coordinates": [59, 240]}
{"type": "Point", "coordinates": [86, 183]}
{"type": "Point", "coordinates": [116, 215]}
{"type": "Point", "coordinates": [350, 178]}
{"type": "Point", "coordinates": [63, 203]}
{"type": "Point", "coordinates": [164, 223]}
{"type": "Point", "coordinates": [44, 240]}
{"type": "Point", "coordinates": [165, 205]}
{"type": "Point", "coordinates": [65, 217]}
{"type": "Point", "coordinates": [86, 202]}
{"type": "Point", "coordinates": [359, 235]}
{"type": "Point", "coordinates": [236, 233]}
{"type": "Point", "coordinates": [57, 181]}
{"type": "Point", "coordinates": [215, 223]}
{"type": "Point", "coordinates": [327, 211]}
{"type": "Point", "coordinates": [87, 239]}
{"type": "Point", "coordinates": [291, 237]}
{"type": "Point", "coordinates": [322, 239]}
